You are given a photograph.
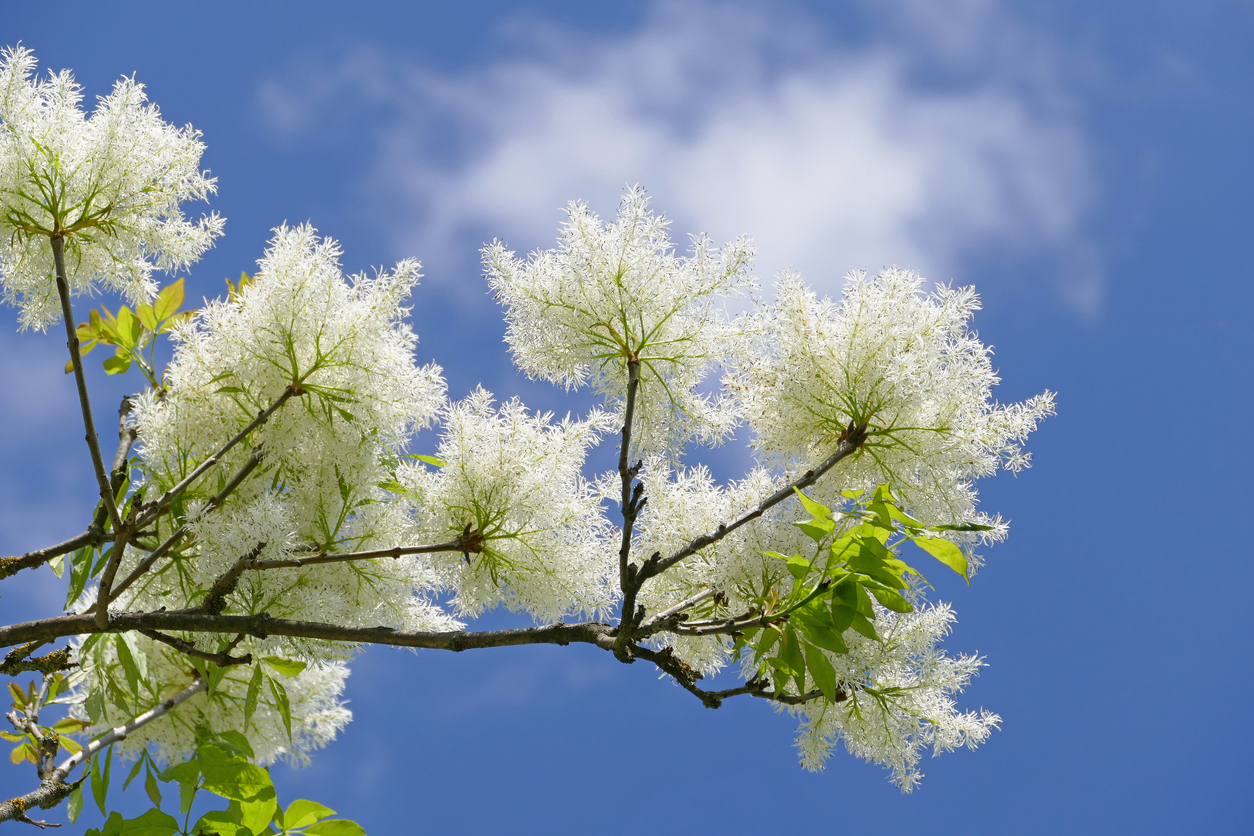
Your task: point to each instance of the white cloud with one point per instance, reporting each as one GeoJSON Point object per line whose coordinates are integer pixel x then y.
{"type": "Point", "coordinates": [939, 138]}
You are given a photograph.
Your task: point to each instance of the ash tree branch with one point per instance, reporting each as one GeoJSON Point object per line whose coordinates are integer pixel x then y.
{"type": "Point", "coordinates": [171, 541]}
{"type": "Point", "coordinates": [93, 536]}
{"type": "Point", "coordinates": [76, 360]}
{"type": "Point", "coordinates": [850, 444]}
{"type": "Point", "coordinates": [222, 660]}
{"type": "Point", "coordinates": [263, 626]}
{"type": "Point", "coordinates": [53, 789]}
{"type": "Point", "coordinates": [323, 557]}
{"type": "Point", "coordinates": [161, 504]}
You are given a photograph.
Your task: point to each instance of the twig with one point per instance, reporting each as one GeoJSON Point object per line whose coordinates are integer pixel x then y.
{"type": "Point", "coordinates": [854, 436]}
{"type": "Point", "coordinates": [53, 789]}
{"type": "Point", "coordinates": [17, 662]}
{"type": "Point", "coordinates": [322, 557]}
{"type": "Point", "coordinates": [172, 540]}
{"type": "Point", "coordinates": [71, 332]}
{"type": "Point", "coordinates": [687, 603]}
{"type": "Point", "coordinates": [632, 500]}
{"type": "Point", "coordinates": [93, 536]}
{"type": "Point", "coordinates": [169, 496]}
{"type": "Point", "coordinates": [222, 660]}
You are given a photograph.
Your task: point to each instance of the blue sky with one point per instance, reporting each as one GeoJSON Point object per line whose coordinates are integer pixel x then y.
{"type": "Point", "coordinates": [1086, 166]}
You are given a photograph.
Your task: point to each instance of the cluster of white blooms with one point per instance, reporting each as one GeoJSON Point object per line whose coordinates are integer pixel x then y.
{"type": "Point", "coordinates": [109, 185]}
{"type": "Point", "coordinates": [514, 478]}
{"type": "Point", "coordinates": [904, 702]}
{"type": "Point", "coordinates": [325, 454]}
{"type": "Point", "coordinates": [904, 363]}
{"type": "Point", "coordinates": [614, 293]}
{"type": "Point", "coordinates": [158, 672]}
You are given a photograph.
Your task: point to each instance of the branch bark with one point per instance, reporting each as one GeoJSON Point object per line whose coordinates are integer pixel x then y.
{"type": "Point", "coordinates": [76, 360]}
{"type": "Point", "coordinates": [53, 789]}
{"type": "Point", "coordinates": [262, 626]}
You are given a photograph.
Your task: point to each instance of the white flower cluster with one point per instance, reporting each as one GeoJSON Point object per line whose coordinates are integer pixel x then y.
{"type": "Point", "coordinates": [109, 185]}
{"type": "Point", "coordinates": [157, 672]}
{"type": "Point", "coordinates": [324, 454]}
{"type": "Point", "coordinates": [613, 293]}
{"type": "Point", "coordinates": [903, 363]}
{"type": "Point", "coordinates": [906, 702]}
{"type": "Point", "coordinates": [514, 478]}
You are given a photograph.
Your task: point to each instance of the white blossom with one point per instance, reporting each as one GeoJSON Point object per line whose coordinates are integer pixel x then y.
{"type": "Point", "coordinates": [902, 699]}
{"type": "Point", "coordinates": [326, 454]}
{"type": "Point", "coordinates": [904, 363]}
{"type": "Point", "coordinates": [514, 478]}
{"type": "Point", "coordinates": [317, 711]}
{"type": "Point", "coordinates": [110, 185]}
{"type": "Point", "coordinates": [613, 293]}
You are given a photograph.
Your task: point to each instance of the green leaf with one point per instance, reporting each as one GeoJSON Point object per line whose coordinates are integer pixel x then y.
{"type": "Point", "coordinates": [99, 781]}
{"type": "Point", "coordinates": [798, 567]}
{"type": "Point", "coordinates": [431, 460]}
{"type": "Point", "coordinates": [816, 509]}
{"type": "Point", "coordinates": [336, 827]}
{"type": "Point", "coordinates": [863, 606]}
{"type": "Point", "coordinates": [827, 637]}
{"type": "Point", "coordinates": [18, 694]}
{"type": "Point", "coordinates": [235, 743]}
{"type": "Point", "coordinates": [816, 531]}
{"type": "Point", "coordinates": [147, 317]}
{"type": "Point", "coordinates": [185, 773]}
{"type": "Point", "coordinates": [117, 364]}
{"type": "Point", "coordinates": [302, 812]}
{"type": "Point", "coordinates": [960, 527]}
{"type": "Point", "coordinates": [128, 328]}
{"type": "Point", "coordinates": [76, 804]}
{"type": "Point", "coordinates": [227, 389]}
{"type": "Point", "coordinates": [254, 691]}
{"type": "Point", "coordinates": [154, 791]}
{"type": "Point", "coordinates": [891, 599]}
{"type": "Point", "coordinates": [236, 778]}
{"type": "Point", "coordinates": [883, 517]}
{"type": "Point", "coordinates": [80, 562]}
{"type": "Point", "coordinates": [151, 823]}
{"type": "Point", "coordinates": [946, 552]}
{"type": "Point", "coordinates": [57, 565]}
{"type": "Point", "coordinates": [864, 626]}
{"type": "Point", "coordinates": [221, 823]}
{"type": "Point", "coordinates": [821, 671]}
{"type": "Point", "coordinates": [790, 652]}
{"type": "Point", "coordinates": [256, 812]}
{"type": "Point", "coordinates": [169, 300]}
{"type": "Point", "coordinates": [128, 664]}
{"type": "Point", "coordinates": [285, 707]}
{"type": "Point", "coordinates": [287, 667]}
{"type": "Point", "coordinates": [134, 774]}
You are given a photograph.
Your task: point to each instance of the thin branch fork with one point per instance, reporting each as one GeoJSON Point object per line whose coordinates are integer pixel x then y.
{"type": "Point", "coordinates": [53, 790]}
{"type": "Point", "coordinates": [163, 549]}
{"type": "Point", "coordinates": [222, 660]}
{"type": "Point", "coordinates": [161, 504]}
{"type": "Point", "coordinates": [76, 360]}
{"type": "Point", "coordinates": [850, 445]}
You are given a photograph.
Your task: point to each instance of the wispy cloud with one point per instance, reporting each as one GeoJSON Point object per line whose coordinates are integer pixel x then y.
{"type": "Point", "coordinates": [937, 138]}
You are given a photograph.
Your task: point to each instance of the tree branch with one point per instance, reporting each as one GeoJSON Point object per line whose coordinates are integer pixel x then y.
{"type": "Point", "coordinates": [53, 789]}
{"type": "Point", "coordinates": [399, 551]}
{"type": "Point", "coordinates": [852, 441]}
{"type": "Point", "coordinates": [263, 626]}
{"type": "Point", "coordinates": [222, 660]}
{"type": "Point", "coordinates": [172, 540]}
{"type": "Point", "coordinates": [161, 504]}
{"type": "Point", "coordinates": [76, 360]}
{"type": "Point", "coordinates": [93, 536]}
